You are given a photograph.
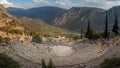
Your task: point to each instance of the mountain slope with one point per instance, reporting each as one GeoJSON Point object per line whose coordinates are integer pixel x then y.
{"type": "Point", "coordinates": [77, 18]}
{"type": "Point", "coordinates": [40, 27]}
{"type": "Point", "coordinates": [47, 13]}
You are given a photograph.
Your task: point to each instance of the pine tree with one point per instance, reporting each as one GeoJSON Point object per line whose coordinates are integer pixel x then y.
{"type": "Point", "coordinates": [43, 63]}
{"type": "Point", "coordinates": [106, 28]}
{"type": "Point", "coordinates": [51, 64]}
{"type": "Point", "coordinates": [115, 26]}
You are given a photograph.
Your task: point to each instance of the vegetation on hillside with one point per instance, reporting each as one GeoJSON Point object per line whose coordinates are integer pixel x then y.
{"type": "Point", "coordinates": [76, 36]}
{"type": "Point", "coordinates": [9, 30]}
{"type": "Point", "coordinates": [43, 63]}
{"type": "Point", "coordinates": [7, 62]}
{"type": "Point", "coordinates": [36, 38]}
{"type": "Point", "coordinates": [92, 34]}
{"type": "Point", "coordinates": [115, 28]}
{"type": "Point", "coordinates": [111, 63]}
{"type": "Point", "coordinates": [4, 40]}
{"type": "Point", "coordinates": [105, 35]}
{"type": "Point", "coordinates": [9, 23]}
{"type": "Point", "coordinates": [41, 28]}
{"type": "Point", "coordinates": [50, 64]}
{"type": "Point", "coordinates": [89, 33]}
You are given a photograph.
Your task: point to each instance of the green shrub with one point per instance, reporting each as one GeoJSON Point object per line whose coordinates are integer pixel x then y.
{"type": "Point", "coordinates": [111, 63]}
{"type": "Point", "coordinates": [46, 35]}
{"type": "Point", "coordinates": [95, 35]}
{"type": "Point", "coordinates": [1, 39]}
{"type": "Point", "coordinates": [36, 39]}
{"type": "Point", "coordinates": [4, 40]}
{"type": "Point", "coordinates": [43, 63]}
{"type": "Point", "coordinates": [51, 64]}
{"type": "Point", "coordinates": [112, 34]}
{"type": "Point", "coordinates": [76, 36]}
{"type": "Point", "coordinates": [7, 62]}
{"type": "Point", "coordinates": [15, 31]}
{"type": "Point", "coordinates": [32, 33]}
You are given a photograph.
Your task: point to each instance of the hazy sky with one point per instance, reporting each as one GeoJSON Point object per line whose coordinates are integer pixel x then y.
{"type": "Point", "coordinates": [105, 4]}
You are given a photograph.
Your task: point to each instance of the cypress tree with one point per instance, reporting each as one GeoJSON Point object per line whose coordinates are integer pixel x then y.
{"type": "Point", "coordinates": [106, 27]}
{"type": "Point", "coordinates": [43, 63]}
{"type": "Point", "coordinates": [81, 36]}
{"type": "Point", "coordinates": [51, 64]}
{"type": "Point", "coordinates": [115, 26]}
{"type": "Point", "coordinates": [89, 31]}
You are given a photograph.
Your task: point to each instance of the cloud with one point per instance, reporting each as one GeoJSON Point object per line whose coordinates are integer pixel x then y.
{"type": "Point", "coordinates": [112, 0]}
{"type": "Point", "coordinates": [63, 3]}
{"type": "Point", "coordinates": [45, 1]}
{"type": "Point", "coordinates": [5, 3]}
{"type": "Point", "coordinates": [58, 3]}
{"type": "Point", "coordinates": [42, 2]}
{"type": "Point", "coordinates": [105, 4]}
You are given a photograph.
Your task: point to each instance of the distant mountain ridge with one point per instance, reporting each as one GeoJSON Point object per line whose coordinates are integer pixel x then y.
{"type": "Point", "coordinates": [75, 18]}
{"type": "Point", "coordinates": [47, 13]}
{"type": "Point", "coordinates": [78, 13]}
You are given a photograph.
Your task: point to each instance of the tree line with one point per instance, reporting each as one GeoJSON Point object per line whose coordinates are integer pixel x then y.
{"type": "Point", "coordinates": [90, 32]}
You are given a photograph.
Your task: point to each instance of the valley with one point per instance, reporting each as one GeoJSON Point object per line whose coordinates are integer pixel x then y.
{"type": "Point", "coordinates": [53, 37]}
